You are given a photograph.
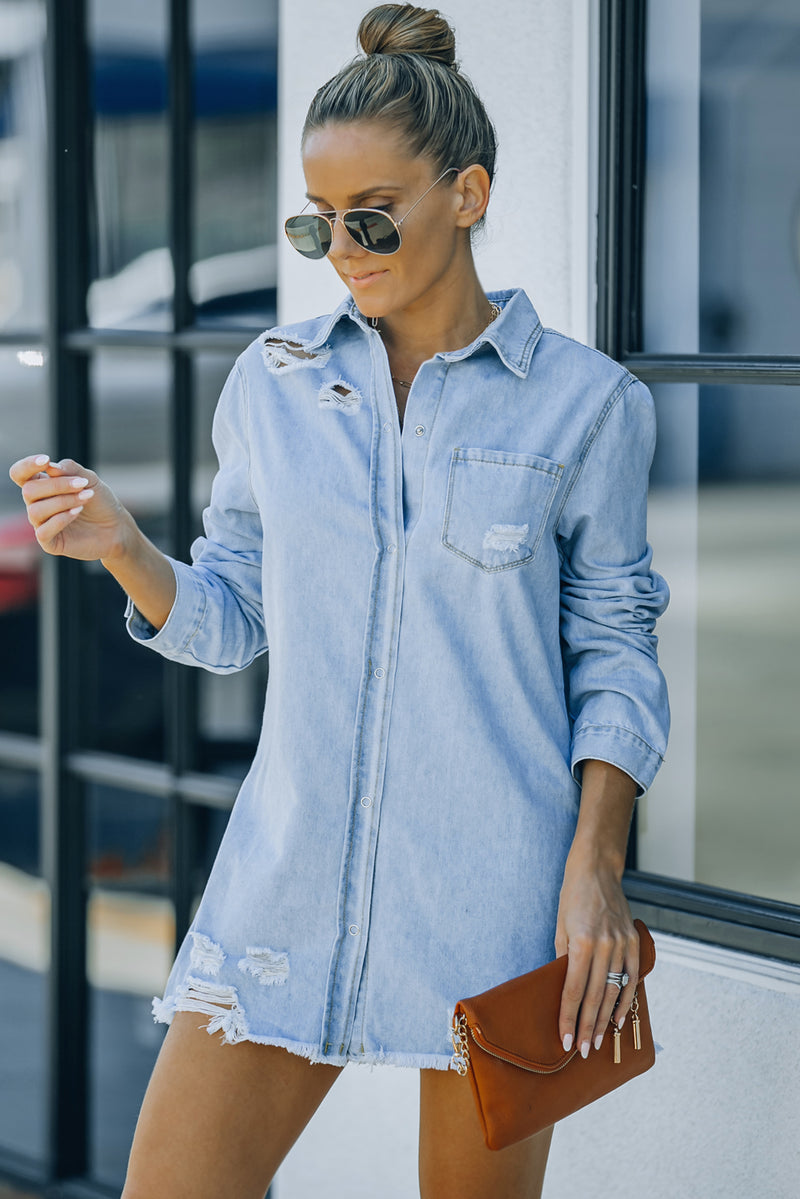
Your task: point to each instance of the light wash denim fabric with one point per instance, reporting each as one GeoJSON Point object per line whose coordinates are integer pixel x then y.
{"type": "Point", "coordinates": [458, 614]}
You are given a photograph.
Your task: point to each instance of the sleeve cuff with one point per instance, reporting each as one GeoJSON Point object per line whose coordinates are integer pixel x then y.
{"type": "Point", "coordinates": [619, 746]}
{"type": "Point", "coordinates": [184, 620]}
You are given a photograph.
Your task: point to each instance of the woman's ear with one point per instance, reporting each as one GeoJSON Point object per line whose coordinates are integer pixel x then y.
{"type": "Point", "coordinates": [472, 186]}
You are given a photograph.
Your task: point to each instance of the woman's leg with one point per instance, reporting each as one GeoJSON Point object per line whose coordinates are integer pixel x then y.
{"type": "Point", "coordinates": [454, 1162]}
{"type": "Point", "coordinates": [217, 1120]}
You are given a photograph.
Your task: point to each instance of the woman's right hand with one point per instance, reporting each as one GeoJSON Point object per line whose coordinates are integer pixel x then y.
{"type": "Point", "coordinates": [73, 512]}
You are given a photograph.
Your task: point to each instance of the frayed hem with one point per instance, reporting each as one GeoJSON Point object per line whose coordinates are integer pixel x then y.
{"type": "Point", "coordinates": [164, 1010]}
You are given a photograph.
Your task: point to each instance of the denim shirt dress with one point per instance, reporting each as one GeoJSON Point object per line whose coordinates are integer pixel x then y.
{"type": "Point", "coordinates": [458, 613]}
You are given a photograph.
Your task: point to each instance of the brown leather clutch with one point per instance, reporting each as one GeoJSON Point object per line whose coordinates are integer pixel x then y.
{"type": "Point", "coordinates": [506, 1041]}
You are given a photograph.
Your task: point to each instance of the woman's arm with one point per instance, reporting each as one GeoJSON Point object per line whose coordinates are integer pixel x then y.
{"type": "Point", "coordinates": [76, 515]}
{"type": "Point", "coordinates": [594, 921]}
{"type": "Point", "coordinates": [617, 701]}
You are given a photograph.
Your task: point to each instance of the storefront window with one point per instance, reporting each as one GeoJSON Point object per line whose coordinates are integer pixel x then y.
{"type": "Point", "coordinates": [725, 525]}
{"type": "Point", "coordinates": [131, 268]}
{"type": "Point", "coordinates": [130, 938]}
{"type": "Point", "coordinates": [722, 196]}
{"type": "Point", "coordinates": [234, 274]}
{"type": "Point", "coordinates": [23, 409]}
{"type": "Point", "coordinates": [24, 963]}
{"type": "Point", "coordinates": [23, 240]}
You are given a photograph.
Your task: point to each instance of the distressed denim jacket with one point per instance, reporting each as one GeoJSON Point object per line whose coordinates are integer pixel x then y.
{"type": "Point", "coordinates": [458, 613]}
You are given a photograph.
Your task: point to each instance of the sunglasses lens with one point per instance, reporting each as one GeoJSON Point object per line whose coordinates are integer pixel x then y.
{"type": "Point", "coordinates": [375, 231]}
{"type": "Point", "coordinates": [309, 234]}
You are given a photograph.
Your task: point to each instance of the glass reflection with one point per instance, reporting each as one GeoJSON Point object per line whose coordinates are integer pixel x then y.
{"type": "Point", "coordinates": [234, 274]}
{"type": "Point", "coordinates": [130, 404]}
{"type": "Point", "coordinates": [208, 827]}
{"type": "Point", "coordinates": [230, 706]}
{"type": "Point", "coordinates": [130, 940]}
{"type": "Point", "coordinates": [24, 963]}
{"type": "Point", "coordinates": [23, 240]}
{"type": "Point", "coordinates": [748, 644]}
{"type": "Point", "coordinates": [722, 227]}
{"type": "Point", "coordinates": [725, 527]}
{"type": "Point", "coordinates": [23, 401]}
{"type": "Point", "coordinates": [132, 267]}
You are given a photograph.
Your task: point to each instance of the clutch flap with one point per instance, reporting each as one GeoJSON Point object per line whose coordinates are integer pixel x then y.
{"type": "Point", "coordinates": [517, 1021]}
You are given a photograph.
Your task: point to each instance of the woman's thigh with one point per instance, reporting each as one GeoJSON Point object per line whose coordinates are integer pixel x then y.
{"type": "Point", "coordinates": [454, 1162]}
{"type": "Point", "coordinates": [219, 1119]}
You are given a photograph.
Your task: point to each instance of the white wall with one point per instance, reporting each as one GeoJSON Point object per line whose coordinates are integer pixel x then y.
{"type": "Point", "coordinates": [530, 63]}
{"type": "Point", "coordinates": [719, 1116]}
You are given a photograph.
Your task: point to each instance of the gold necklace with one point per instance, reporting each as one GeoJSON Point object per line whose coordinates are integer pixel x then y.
{"type": "Point", "coordinates": [496, 310]}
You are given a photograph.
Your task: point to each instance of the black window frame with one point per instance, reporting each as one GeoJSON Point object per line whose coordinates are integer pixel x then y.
{"type": "Point", "coordinates": [721, 917]}
{"type": "Point", "coordinates": [65, 768]}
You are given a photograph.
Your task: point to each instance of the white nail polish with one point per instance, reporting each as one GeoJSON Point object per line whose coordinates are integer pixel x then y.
{"type": "Point", "coordinates": [585, 1047]}
{"type": "Point", "coordinates": [86, 495]}
{"type": "Point", "coordinates": [76, 511]}
{"type": "Point", "coordinates": [620, 1022]}
{"type": "Point", "coordinates": [567, 1042]}
{"type": "Point", "coordinates": [78, 482]}
{"type": "Point", "coordinates": [41, 460]}
{"type": "Point", "coordinates": [598, 1041]}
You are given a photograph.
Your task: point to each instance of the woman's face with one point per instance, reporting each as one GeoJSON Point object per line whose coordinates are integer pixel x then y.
{"type": "Point", "coordinates": [365, 165]}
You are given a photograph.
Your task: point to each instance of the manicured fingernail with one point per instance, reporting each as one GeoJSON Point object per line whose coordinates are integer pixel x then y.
{"type": "Point", "coordinates": [41, 460]}
{"type": "Point", "coordinates": [78, 482]}
{"type": "Point", "coordinates": [598, 1041]}
{"type": "Point", "coordinates": [86, 495]}
{"type": "Point", "coordinates": [568, 1042]}
{"type": "Point", "coordinates": [585, 1047]}
{"type": "Point", "coordinates": [620, 1022]}
{"type": "Point", "coordinates": [76, 511]}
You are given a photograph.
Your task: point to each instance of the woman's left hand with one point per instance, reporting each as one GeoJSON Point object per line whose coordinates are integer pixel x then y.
{"type": "Point", "coordinates": [594, 925]}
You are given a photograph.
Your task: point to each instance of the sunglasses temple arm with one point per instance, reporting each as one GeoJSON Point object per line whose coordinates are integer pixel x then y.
{"type": "Point", "coordinates": [424, 194]}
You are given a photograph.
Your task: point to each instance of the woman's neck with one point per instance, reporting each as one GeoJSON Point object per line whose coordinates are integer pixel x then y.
{"type": "Point", "coordinates": [435, 324]}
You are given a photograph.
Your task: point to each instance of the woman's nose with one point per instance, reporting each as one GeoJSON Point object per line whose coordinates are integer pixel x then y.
{"type": "Point", "coordinates": [342, 244]}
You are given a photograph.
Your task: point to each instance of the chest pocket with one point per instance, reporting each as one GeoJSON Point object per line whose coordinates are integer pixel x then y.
{"type": "Point", "coordinates": [497, 506]}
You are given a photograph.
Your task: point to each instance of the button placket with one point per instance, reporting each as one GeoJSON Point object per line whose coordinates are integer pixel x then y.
{"type": "Point", "coordinates": [371, 725]}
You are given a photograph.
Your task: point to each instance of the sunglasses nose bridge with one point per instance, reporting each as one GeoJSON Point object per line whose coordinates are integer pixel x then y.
{"type": "Point", "coordinates": [342, 241]}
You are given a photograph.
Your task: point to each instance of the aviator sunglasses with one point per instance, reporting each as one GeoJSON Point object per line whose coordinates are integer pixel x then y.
{"type": "Point", "coordinates": [311, 233]}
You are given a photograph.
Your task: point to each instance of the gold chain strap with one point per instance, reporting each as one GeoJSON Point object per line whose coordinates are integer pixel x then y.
{"type": "Point", "coordinates": [458, 1034]}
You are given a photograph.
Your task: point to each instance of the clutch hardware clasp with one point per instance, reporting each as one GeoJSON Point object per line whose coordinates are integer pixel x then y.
{"type": "Point", "coordinates": [637, 1032]}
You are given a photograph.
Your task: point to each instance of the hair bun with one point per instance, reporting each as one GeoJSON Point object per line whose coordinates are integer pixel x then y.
{"type": "Point", "coordinates": [405, 29]}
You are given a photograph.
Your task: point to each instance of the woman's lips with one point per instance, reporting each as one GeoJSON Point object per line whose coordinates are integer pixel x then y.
{"type": "Point", "coordinates": [359, 281]}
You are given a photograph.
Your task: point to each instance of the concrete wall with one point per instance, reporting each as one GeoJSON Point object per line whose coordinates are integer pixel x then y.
{"type": "Point", "coordinates": [719, 1116]}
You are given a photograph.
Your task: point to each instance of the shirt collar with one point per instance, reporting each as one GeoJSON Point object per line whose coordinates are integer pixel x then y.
{"type": "Point", "coordinates": [513, 334]}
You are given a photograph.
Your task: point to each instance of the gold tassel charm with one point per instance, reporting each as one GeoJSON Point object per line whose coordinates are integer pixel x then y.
{"type": "Point", "coordinates": [635, 1023]}
{"type": "Point", "coordinates": [617, 1046]}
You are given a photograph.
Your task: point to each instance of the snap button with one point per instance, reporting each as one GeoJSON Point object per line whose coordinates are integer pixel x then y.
{"type": "Point", "coordinates": [379, 672]}
{"type": "Point", "coordinates": [391, 549]}
{"type": "Point", "coordinates": [420, 430]}
{"type": "Point", "coordinates": [366, 801]}
{"type": "Point", "coordinates": [354, 930]}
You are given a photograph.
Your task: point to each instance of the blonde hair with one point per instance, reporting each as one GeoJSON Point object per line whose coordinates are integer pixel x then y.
{"type": "Point", "coordinates": [408, 78]}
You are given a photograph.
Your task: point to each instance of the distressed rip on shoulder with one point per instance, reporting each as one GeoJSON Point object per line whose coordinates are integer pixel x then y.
{"type": "Point", "coordinates": [269, 967]}
{"type": "Point", "coordinates": [282, 354]}
{"type": "Point", "coordinates": [340, 395]}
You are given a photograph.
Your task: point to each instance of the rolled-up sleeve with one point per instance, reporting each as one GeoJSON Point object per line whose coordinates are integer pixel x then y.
{"type": "Point", "coordinates": [610, 597]}
{"type": "Point", "coordinates": [217, 618]}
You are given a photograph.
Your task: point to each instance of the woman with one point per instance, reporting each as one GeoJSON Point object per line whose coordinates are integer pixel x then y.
{"type": "Point", "coordinates": [434, 511]}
